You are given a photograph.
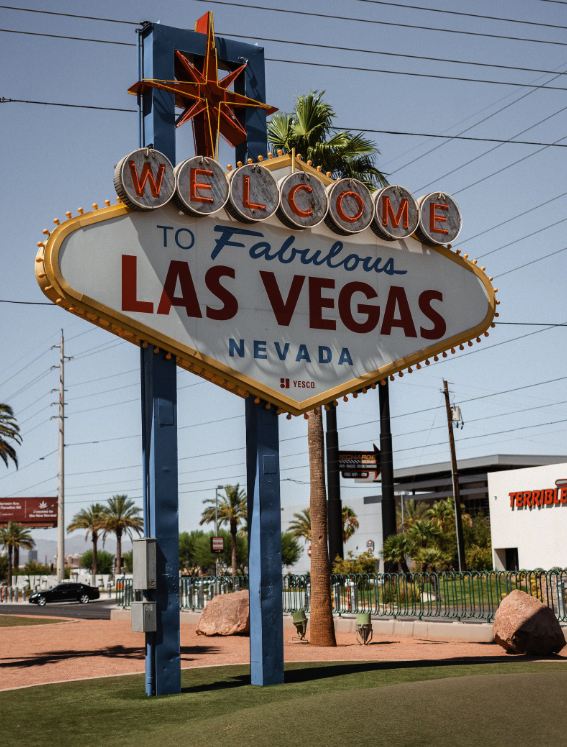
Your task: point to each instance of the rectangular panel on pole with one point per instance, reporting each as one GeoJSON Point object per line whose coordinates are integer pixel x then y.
{"type": "Point", "coordinates": [264, 537]}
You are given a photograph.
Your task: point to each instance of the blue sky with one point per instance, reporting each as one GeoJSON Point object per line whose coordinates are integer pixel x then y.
{"type": "Point", "coordinates": [57, 159]}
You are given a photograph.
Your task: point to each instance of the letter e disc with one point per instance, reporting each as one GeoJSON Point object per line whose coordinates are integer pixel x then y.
{"type": "Point", "coordinates": [144, 180]}
{"type": "Point", "coordinates": [201, 186]}
{"type": "Point", "coordinates": [253, 194]}
{"type": "Point", "coordinates": [304, 201]}
{"type": "Point", "coordinates": [350, 207]}
{"type": "Point", "coordinates": [440, 219]}
{"type": "Point", "coordinates": [396, 214]}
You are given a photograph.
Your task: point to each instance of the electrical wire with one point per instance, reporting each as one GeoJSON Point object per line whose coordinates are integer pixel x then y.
{"type": "Point", "coordinates": [73, 38]}
{"type": "Point", "coordinates": [29, 303]}
{"type": "Point", "coordinates": [505, 168]}
{"type": "Point", "coordinates": [491, 150]}
{"type": "Point", "coordinates": [509, 220]}
{"type": "Point", "coordinates": [521, 238]}
{"type": "Point", "coordinates": [73, 15]}
{"type": "Point", "coordinates": [539, 259]}
{"type": "Point", "coordinates": [381, 23]}
{"type": "Point", "coordinates": [459, 13]}
{"type": "Point", "coordinates": [24, 368]}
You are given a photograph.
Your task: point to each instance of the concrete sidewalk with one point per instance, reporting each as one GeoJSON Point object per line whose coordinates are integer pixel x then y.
{"type": "Point", "coordinates": [462, 631]}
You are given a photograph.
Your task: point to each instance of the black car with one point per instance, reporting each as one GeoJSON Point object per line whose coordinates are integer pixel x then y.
{"type": "Point", "coordinates": [65, 593]}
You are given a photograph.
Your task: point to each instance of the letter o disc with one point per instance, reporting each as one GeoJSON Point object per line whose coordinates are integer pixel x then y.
{"type": "Point", "coordinates": [304, 201]}
{"type": "Point", "coordinates": [144, 179]}
{"type": "Point", "coordinates": [253, 194]}
{"type": "Point", "coordinates": [350, 207]}
{"type": "Point", "coordinates": [396, 214]}
{"type": "Point", "coordinates": [201, 186]}
{"type": "Point", "coordinates": [440, 219]}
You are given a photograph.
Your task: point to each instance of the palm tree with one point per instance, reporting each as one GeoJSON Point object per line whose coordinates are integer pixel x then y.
{"type": "Point", "coordinates": [396, 548]}
{"type": "Point", "coordinates": [413, 511]}
{"type": "Point", "coordinates": [92, 519]}
{"type": "Point", "coordinates": [13, 537]}
{"type": "Point", "coordinates": [423, 533]}
{"type": "Point", "coordinates": [322, 627]}
{"type": "Point", "coordinates": [309, 129]}
{"type": "Point", "coordinates": [9, 429]}
{"type": "Point", "coordinates": [301, 526]}
{"type": "Point", "coordinates": [350, 523]}
{"type": "Point", "coordinates": [122, 517]}
{"type": "Point", "coordinates": [232, 510]}
{"type": "Point", "coordinates": [442, 514]}
{"type": "Point", "coordinates": [431, 559]}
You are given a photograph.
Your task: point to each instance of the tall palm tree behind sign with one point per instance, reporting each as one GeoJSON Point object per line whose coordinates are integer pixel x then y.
{"type": "Point", "coordinates": [309, 129]}
{"type": "Point", "coordinates": [14, 537]}
{"type": "Point", "coordinates": [9, 431]}
{"type": "Point", "coordinates": [232, 509]}
{"type": "Point", "coordinates": [122, 517]}
{"type": "Point", "coordinates": [92, 519]}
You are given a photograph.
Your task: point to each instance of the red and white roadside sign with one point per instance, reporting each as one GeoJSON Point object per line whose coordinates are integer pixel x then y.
{"type": "Point", "coordinates": [217, 544]}
{"type": "Point", "coordinates": [31, 512]}
{"type": "Point", "coordinates": [297, 312]}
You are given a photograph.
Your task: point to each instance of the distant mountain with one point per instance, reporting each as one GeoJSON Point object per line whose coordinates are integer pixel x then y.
{"type": "Point", "coordinates": [72, 545]}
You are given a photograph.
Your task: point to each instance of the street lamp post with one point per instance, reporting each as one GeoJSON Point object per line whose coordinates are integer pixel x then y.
{"type": "Point", "coordinates": [217, 488]}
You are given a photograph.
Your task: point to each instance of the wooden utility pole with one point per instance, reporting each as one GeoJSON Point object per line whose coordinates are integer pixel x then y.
{"type": "Point", "coordinates": [61, 476]}
{"type": "Point", "coordinates": [455, 477]}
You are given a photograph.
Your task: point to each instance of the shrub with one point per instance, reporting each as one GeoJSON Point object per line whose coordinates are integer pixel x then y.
{"type": "Point", "coordinates": [399, 590]}
{"type": "Point", "coordinates": [364, 563]}
{"type": "Point", "coordinates": [105, 561]}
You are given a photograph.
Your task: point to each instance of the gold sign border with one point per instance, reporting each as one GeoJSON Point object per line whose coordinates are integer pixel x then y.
{"type": "Point", "coordinates": [55, 287]}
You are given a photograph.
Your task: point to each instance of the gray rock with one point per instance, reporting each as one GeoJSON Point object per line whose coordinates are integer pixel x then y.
{"type": "Point", "coordinates": [523, 625]}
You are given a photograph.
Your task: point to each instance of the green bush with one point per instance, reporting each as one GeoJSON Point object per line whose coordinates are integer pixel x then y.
{"type": "Point", "coordinates": [105, 561]}
{"type": "Point", "coordinates": [399, 591]}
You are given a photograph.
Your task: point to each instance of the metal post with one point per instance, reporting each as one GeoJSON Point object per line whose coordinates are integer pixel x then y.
{"type": "Point", "coordinates": [334, 504]}
{"type": "Point", "coordinates": [218, 487]}
{"type": "Point", "coordinates": [264, 532]}
{"type": "Point", "coordinates": [61, 481]}
{"type": "Point", "coordinates": [387, 464]}
{"type": "Point", "coordinates": [455, 478]}
{"type": "Point", "coordinates": [161, 520]}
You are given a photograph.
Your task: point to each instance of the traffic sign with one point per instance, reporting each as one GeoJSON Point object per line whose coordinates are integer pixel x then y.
{"type": "Point", "coordinates": [217, 544]}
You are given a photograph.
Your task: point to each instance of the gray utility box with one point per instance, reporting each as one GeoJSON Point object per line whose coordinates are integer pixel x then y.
{"type": "Point", "coordinates": [144, 617]}
{"type": "Point", "coordinates": [144, 563]}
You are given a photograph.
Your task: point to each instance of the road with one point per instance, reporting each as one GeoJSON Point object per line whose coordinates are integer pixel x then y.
{"type": "Point", "coordinates": [97, 610]}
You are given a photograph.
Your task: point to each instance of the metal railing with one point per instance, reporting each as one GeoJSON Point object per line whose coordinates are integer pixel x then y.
{"type": "Point", "coordinates": [473, 595]}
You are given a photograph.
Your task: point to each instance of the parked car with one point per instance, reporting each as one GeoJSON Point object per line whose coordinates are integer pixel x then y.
{"type": "Point", "coordinates": [69, 592]}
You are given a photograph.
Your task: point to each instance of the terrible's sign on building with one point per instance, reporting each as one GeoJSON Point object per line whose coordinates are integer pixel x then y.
{"type": "Point", "coordinates": [272, 280]}
{"type": "Point", "coordinates": [31, 512]}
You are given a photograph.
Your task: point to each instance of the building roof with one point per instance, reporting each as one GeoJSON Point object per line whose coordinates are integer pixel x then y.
{"type": "Point", "coordinates": [493, 463]}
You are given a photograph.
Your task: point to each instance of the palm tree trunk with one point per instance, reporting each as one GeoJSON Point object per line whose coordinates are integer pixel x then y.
{"type": "Point", "coordinates": [322, 627]}
{"type": "Point", "coordinates": [95, 557]}
{"type": "Point", "coordinates": [16, 558]}
{"type": "Point", "coordinates": [233, 546]}
{"type": "Point", "coordinates": [118, 552]}
{"type": "Point", "coordinates": [9, 565]}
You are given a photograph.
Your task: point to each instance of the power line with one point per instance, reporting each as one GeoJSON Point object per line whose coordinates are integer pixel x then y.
{"type": "Point", "coordinates": [74, 15]}
{"type": "Point", "coordinates": [526, 236]}
{"type": "Point", "coordinates": [73, 38]}
{"type": "Point", "coordinates": [505, 168]}
{"type": "Point", "coordinates": [29, 303]}
{"type": "Point", "coordinates": [361, 129]}
{"type": "Point", "coordinates": [24, 368]}
{"type": "Point", "coordinates": [381, 23]}
{"type": "Point", "coordinates": [509, 220]}
{"type": "Point", "coordinates": [461, 13]}
{"type": "Point", "coordinates": [484, 119]}
{"type": "Point", "coordinates": [539, 259]}
{"type": "Point", "coordinates": [4, 100]}
{"type": "Point", "coordinates": [491, 150]}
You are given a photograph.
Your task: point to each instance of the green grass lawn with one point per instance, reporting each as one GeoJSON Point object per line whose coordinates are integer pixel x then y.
{"type": "Point", "coordinates": [8, 621]}
{"type": "Point", "coordinates": [376, 704]}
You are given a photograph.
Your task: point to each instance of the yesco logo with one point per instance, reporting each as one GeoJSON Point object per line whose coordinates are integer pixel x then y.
{"type": "Point", "coordinates": [297, 384]}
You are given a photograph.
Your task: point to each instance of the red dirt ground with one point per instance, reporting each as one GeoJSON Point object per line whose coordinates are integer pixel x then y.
{"type": "Point", "coordinates": [82, 649]}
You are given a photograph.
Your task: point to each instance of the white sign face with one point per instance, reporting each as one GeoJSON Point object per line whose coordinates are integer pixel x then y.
{"type": "Point", "coordinates": [296, 317]}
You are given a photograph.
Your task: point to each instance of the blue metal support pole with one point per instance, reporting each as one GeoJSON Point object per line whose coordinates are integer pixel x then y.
{"type": "Point", "coordinates": [264, 536]}
{"type": "Point", "coordinates": [159, 421]}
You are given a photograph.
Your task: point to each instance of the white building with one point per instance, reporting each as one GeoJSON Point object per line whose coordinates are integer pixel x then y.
{"type": "Point", "coordinates": [528, 517]}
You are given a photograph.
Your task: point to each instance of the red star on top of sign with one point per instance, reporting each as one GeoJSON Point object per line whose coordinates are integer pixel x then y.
{"type": "Point", "coordinates": [205, 99]}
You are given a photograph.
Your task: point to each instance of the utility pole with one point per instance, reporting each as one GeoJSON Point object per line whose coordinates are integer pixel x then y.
{"type": "Point", "coordinates": [387, 466]}
{"type": "Point", "coordinates": [218, 487]}
{"type": "Point", "coordinates": [334, 504]}
{"type": "Point", "coordinates": [455, 477]}
{"type": "Point", "coordinates": [61, 483]}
